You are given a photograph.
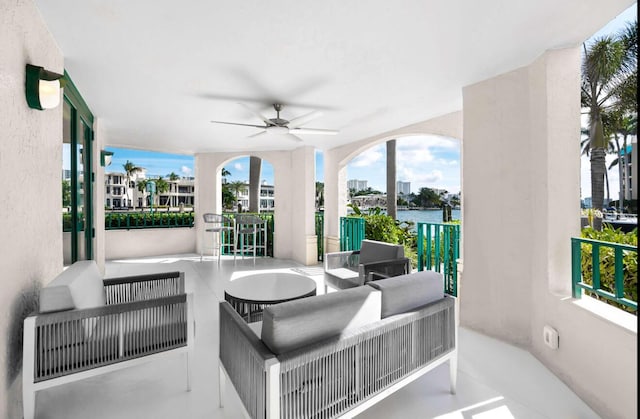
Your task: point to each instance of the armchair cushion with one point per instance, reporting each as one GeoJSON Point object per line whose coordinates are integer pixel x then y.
{"type": "Point", "coordinates": [407, 292]}
{"type": "Point", "coordinates": [79, 286]}
{"type": "Point", "coordinates": [374, 251]}
{"type": "Point", "coordinates": [294, 324]}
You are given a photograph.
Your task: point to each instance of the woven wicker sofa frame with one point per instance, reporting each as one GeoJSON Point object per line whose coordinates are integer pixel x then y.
{"type": "Point", "coordinates": [146, 317]}
{"type": "Point", "coordinates": [338, 377]}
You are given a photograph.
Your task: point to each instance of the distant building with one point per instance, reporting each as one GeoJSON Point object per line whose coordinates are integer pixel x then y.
{"type": "Point", "coordinates": [357, 185]}
{"type": "Point", "coordinates": [370, 201]}
{"type": "Point", "coordinates": [629, 158]}
{"type": "Point", "coordinates": [403, 188]}
{"type": "Point", "coordinates": [267, 201]}
{"type": "Point", "coordinates": [180, 192]}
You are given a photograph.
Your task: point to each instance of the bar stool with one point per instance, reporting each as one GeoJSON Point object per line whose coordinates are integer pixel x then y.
{"type": "Point", "coordinates": [217, 225]}
{"type": "Point", "coordinates": [251, 234]}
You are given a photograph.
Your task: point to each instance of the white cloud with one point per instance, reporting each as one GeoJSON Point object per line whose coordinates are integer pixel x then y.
{"type": "Point", "coordinates": [237, 166]}
{"type": "Point", "coordinates": [186, 170]}
{"type": "Point", "coordinates": [368, 157]}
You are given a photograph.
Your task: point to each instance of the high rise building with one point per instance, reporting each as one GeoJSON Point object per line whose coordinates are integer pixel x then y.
{"type": "Point", "coordinates": [357, 185]}
{"type": "Point", "coordinates": [403, 188]}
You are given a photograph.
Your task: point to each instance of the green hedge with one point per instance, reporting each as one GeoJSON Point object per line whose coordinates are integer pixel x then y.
{"type": "Point", "coordinates": [131, 220]}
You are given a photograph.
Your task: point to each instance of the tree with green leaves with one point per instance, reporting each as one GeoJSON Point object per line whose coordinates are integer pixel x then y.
{"type": "Point", "coordinates": [609, 72]}
{"type": "Point", "coordinates": [162, 186]}
{"type": "Point", "coordinates": [428, 198]}
{"type": "Point", "coordinates": [130, 169]}
{"type": "Point", "coordinates": [236, 187]}
{"type": "Point", "coordinates": [142, 187]}
{"type": "Point", "coordinates": [228, 197]}
{"type": "Point", "coordinates": [173, 176]}
{"type": "Point", "coordinates": [66, 193]}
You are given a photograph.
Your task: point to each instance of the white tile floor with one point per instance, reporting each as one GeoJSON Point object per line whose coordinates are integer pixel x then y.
{"type": "Point", "coordinates": [495, 380]}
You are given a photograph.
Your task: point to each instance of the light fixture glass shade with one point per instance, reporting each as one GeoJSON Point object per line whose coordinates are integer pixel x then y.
{"type": "Point", "coordinates": [49, 92]}
{"type": "Point", "coordinates": [42, 87]}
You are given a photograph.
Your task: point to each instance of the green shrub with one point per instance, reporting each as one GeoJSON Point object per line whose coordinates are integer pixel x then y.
{"type": "Point", "coordinates": [607, 262]}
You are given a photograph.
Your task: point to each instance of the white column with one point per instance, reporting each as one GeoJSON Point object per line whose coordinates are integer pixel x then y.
{"type": "Point", "coordinates": [208, 183]}
{"type": "Point", "coordinates": [335, 198]}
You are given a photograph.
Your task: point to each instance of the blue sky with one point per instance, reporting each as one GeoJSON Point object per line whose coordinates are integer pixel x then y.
{"type": "Point", "coordinates": [425, 161]}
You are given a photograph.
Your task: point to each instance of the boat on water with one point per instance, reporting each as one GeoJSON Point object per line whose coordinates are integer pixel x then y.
{"type": "Point", "coordinates": [623, 222]}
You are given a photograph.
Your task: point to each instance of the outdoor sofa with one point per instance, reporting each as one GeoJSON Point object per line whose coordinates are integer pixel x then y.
{"type": "Point", "coordinates": [374, 260]}
{"type": "Point", "coordinates": [87, 326]}
{"type": "Point", "coordinates": [336, 354]}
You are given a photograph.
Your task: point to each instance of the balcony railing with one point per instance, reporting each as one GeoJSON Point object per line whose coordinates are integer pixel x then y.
{"type": "Point", "coordinates": [351, 233]}
{"type": "Point", "coordinates": [438, 250]}
{"type": "Point", "coordinates": [603, 268]}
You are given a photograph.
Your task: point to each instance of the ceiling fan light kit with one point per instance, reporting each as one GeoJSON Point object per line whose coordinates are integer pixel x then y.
{"type": "Point", "coordinates": [281, 126]}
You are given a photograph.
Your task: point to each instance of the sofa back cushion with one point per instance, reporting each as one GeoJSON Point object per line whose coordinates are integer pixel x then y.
{"type": "Point", "coordinates": [406, 292]}
{"type": "Point", "coordinates": [79, 286]}
{"type": "Point", "coordinates": [374, 251]}
{"type": "Point", "coordinates": [294, 324]}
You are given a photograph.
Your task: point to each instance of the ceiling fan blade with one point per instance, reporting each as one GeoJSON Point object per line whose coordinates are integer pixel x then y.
{"type": "Point", "coordinates": [313, 131]}
{"type": "Point", "coordinates": [295, 138]}
{"type": "Point", "coordinates": [242, 125]}
{"type": "Point", "coordinates": [301, 120]}
{"type": "Point", "coordinates": [257, 134]}
{"type": "Point", "coordinates": [256, 113]}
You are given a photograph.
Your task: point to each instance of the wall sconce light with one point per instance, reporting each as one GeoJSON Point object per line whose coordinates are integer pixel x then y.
{"type": "Point", "coordinates": [105, 158]}
{"type": "Point", "coordinates": [42, 87]}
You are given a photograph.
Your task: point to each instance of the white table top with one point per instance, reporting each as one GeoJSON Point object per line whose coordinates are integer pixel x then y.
{"type": "Point", "coordinates": [272, 286]}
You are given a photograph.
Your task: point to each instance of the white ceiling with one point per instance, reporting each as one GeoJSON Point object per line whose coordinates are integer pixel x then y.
{"type": "Point", "coordinates": [156, 72]}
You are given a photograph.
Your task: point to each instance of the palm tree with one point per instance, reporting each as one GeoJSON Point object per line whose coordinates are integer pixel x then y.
{"type": "Point", "coordinates": [237, 187]}
{"type": "Point", "coordinates": [606, 69]}
{"type": "Point", "coordinates": [142, 187]}
{"type": "Point", "coordinates": [162, 186]}
{"type": "Point", "coordinates": [173, 176]}
{"type": "Point", "coordinates": [130, 169]}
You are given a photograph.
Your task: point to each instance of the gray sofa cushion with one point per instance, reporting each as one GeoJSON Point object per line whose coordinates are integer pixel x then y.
{"type": "Point", "coordinates": [294, 324]}
{"type": "Point", "coordinates": [375, 251]}
{"type": "Point", "coordinates": [79, 286]}
{"type": "Point", "coordinates": [407, 292]}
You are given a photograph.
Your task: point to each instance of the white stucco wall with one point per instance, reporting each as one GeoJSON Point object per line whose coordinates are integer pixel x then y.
{"type": "Point", "coordinates": [521, 178]}
{"type": "Point", "coordinates": [31, 146]}
{"type": "Point", "coordinates": [124, 244]}
{"type": "Point", "coordinates": [294, 191]}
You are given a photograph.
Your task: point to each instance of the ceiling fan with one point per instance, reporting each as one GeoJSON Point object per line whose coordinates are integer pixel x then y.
{"type": "Point", "coordinates": [281, 126]}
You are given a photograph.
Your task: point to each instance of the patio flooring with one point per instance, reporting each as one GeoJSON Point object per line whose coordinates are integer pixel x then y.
{"type": "Point", "coordinates": [495, 380]}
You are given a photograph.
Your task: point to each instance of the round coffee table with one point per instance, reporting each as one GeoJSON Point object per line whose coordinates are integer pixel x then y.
{"type": "Point", "coordinates": [249, 295]}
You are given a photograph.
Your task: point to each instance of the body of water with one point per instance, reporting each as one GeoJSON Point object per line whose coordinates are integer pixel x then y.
{"type": "Point", "coordinates": [426, 216]}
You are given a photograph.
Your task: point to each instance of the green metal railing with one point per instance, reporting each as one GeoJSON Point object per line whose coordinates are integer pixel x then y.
{"type": "Point", "coordinates": [228, 239]}
{"type": "Point", "coordinates": [438, 250]}
{"type": "Point", "coordinates": [351, 233]}
{"type": "Point", "coordinates": [320, 235]}
{"type": "Point", "coordinates": [599, 251]}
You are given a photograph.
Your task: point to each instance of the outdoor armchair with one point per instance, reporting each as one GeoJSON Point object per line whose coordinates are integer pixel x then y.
{"type": "Point", "coordinates": [374, 260]}
{"type": "Point", "coordinates": [88, 326]}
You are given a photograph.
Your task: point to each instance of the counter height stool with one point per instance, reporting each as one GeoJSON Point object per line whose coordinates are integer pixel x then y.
{"type": "Point", "coordinates": [251, 234]}
{"type": "Point", "coordinates": [217, 226]}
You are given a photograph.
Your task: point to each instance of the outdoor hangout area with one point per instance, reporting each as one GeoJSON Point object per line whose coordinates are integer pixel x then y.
{"type": "Point", "coordinates": [481, 381]}
{"type": "Point", "coordinates": [258, 275]}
